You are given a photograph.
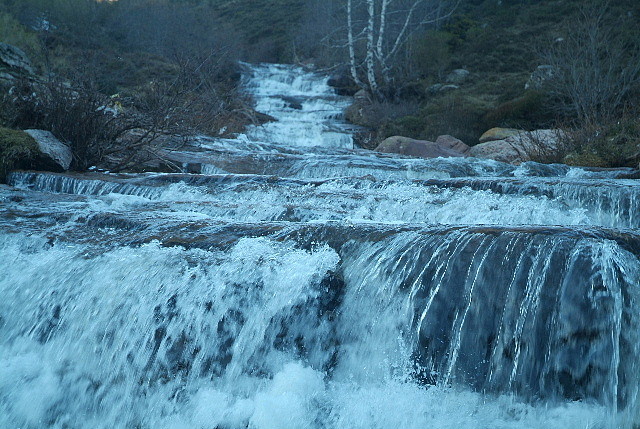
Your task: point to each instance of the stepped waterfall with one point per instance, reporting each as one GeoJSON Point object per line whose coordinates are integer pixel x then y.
{"type": "Point", "coordinates": [299, 282]}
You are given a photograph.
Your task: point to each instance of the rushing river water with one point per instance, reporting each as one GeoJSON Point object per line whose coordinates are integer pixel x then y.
{"type": "Point", "coordinates": [299, 283]}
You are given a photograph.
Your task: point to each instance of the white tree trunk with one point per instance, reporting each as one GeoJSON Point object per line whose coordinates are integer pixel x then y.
{"type": "Point", "coordinates": [384, 68]}
{"type": "Point", "coordinates": [370, 58]}
{"type": "Point", "coordinates": [351, 44]}
{"type": "Point", "coordinates": [386, 26]}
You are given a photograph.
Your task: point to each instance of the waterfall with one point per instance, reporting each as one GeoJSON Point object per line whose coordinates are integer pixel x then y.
{"type": "Point", "coordinates": [300, 283]}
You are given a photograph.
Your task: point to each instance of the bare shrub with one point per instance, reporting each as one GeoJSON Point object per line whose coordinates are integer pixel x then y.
{"type": "Point", "coordinates": [546, 146]}
{"type": "Point", "coordinates": [611, 142]}
{"type": "Point", "coordinates": [614, 142]}
{"type": "Point", "coordinates": [72, 114]}
{"type": "Point", "coordinates": [100, 128]}
{"type": "Point", "coordinates": [594, 67]}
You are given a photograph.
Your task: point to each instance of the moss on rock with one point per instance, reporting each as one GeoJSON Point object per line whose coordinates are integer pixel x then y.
{"type": "Point", "coordinates": [17, 150]}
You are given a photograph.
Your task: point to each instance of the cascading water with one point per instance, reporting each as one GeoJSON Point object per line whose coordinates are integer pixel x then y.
{"type": "Point", "coordinates": [303, 284]}
{"type": "Point", "coordinates": [306, 109]}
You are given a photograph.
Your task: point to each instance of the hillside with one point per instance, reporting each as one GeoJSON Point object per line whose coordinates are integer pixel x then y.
{"type": "Point", "coordinates": [123, 46]}
{"type": "Point", "coordinates": [500, 44]}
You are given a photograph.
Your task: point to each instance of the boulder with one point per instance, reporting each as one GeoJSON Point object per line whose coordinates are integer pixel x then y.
{"type": "Point", "coordinates": [58, 152]}
{"type": "Point", "coordinates": [439, 87]}
{"type": "Point", "coordinates": [17, 150]}
{"type": "Point", "coordinates": [457, 76]}
{"type": "Point", "coordinates": [417, 148]}
{"type": "Point", "coordinates": [453, 143]}
{"type": "Point", "coordinates": [293, 102]}
{"type": "Point", "coordinates": [499, 134]}
{"type": "Point", "coordinates": [500, 150]}
{"type": "Point", "coordinates": [519, 148]}
{"type": "Point", "coordinates": [362, 97]}
{"type": "Point", "coordinates": [342, 82]}
{"type": "Point", "coordinates": [14, 61]}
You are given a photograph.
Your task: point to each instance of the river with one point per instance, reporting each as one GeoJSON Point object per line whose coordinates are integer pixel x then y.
{"type": "Point", "coordinates": [297, 282]}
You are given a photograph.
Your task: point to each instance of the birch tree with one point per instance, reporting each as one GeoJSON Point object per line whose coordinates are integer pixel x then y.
{"type": "Point", "coordinates": [378, 30]}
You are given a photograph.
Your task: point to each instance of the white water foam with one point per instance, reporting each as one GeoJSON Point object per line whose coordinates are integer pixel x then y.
{"type": "Point", "coordinates": [306, 109]}
{"type": "Point", "coordinates": [92, 363]}
{"type": "Point", "coordinates": [255, 335]}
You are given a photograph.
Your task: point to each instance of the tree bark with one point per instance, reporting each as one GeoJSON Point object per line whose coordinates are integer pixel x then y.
{"type": "Point", "coordinates": [370, 56]}
{"type": "Point", "coordinates": [384, 28]}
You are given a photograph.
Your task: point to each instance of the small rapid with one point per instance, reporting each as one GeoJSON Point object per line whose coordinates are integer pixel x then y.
{"type": "Point", "coordinates": [294, 281]}
{"type": "Point", "coordinates": [305, 108]}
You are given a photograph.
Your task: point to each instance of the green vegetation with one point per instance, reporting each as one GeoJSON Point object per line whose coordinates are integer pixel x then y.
{"type": "Point", "coordinates": [17, 150]}
{"type": "Point", "coordinates": [501, 44]}
{"type": "Point", "coordinates": [14, 33]}
{"type": "Point", "coordinates": [132, 47]}
{"type": "Point", "coordinates": [605, 144]}
{"type": "Point", "coordinates": [163, 66]}
{"type": "Point", "coordinates": [267, 26]}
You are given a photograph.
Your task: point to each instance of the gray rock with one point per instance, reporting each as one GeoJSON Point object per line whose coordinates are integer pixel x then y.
{"type": "Point", "coordinates": [439, 87]}
{"type": "Point", "coordinates": [458, 76]}
{"type": "Point", "coordinates": [417, 148]}
{"type": "Point", "coordinates": [499, 134]}
{"type": "Point", "coordinates": [14, 59]}
{"type": "Point", "coordinates": [453, 143]}
{"type": "Point", "coordinates": [53, 148]}
{"type": "Point", "coordinates": [293, 102]}
{"type": "Point", "coordinates": [433, 89]}
{"type": "Point", "coordinates": [500, 150]}
{"type": "Point", "coordinates": [540, 77]}
{"type": "Point", "coordinates": [447, 88]}
{"type": "Point", "coordinates": [519, 148]}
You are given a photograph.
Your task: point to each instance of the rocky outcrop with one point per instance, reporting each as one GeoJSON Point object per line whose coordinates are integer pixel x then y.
{"type": "Point", "coordinates": [54, 150]}
{"type": "Point", "coordinates": [362, 97]}
{"type": "Point", "coordinates": [33, 149]}
{"type": "Point", "coordinates": [439, 88]}
{"type": "Point", "coordinates": [540, 77]}
{"type": "Point", "coordinates": [457, 76]}
{"type": "Point", "coordinates": [519, 147]}
{"type": "Point", "coordinates": [359, 114]}
{"type": "Point", "coordinates": [13, 62]}
{"type": "Point", "coordinates": [499, 134]}
{"type": "Point", "coordinates": [356, 113]}
{"type": "Point", "coordinates": [422, 148]}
